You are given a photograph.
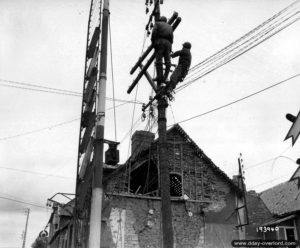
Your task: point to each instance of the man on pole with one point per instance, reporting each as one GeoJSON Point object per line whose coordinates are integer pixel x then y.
{"type": "Point", "coordinates": [162, 39]}
{"type": "Point", "coordinates": [184, 63]}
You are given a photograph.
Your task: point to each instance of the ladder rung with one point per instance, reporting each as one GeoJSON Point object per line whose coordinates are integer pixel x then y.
{"type": "Point", "coordinates": [83, 187]}
{"type": "Point", "coordinates": [86, 159]}
{"type": "Point", "coordinates": [86, 137]}
{"type": "Point", "coordinates": [93, 43]}
{"type": "Point", "coordinates": [87, 97]}
{"type": "Point", "coordinates": [92, 67]}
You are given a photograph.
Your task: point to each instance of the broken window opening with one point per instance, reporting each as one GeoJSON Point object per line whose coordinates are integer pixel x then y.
{"type": "Point", "coordinates": [144, 180]}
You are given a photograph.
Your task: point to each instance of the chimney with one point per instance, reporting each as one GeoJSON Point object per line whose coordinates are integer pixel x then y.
{"type": "Point", "coordinates": [252, 192]}
{"type": "Point", "coordinates": [141, 140]}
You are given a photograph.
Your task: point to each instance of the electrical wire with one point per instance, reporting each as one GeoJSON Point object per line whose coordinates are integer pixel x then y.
{"type": "Point", "coordinates": [39, 130]}
{"type": "Point", "coordinates": [56, 90]}
{"type": "Point", "coordinates": [266, 182]}
{"type": "Point", "coordinates": [23, 202]}
{"type": "Point", "coordinates": [247, 47]}
{"type": "Point", "coordinates": [35, 173]}
{"type": "Point", "coordinates": [239, 100]}
{"type": "Point", "coordinates": [235, 55]}
{"type": "Point", "coordinates": [212, 57]}
{"type": "Point", "coordinates": [172, 113]}
{"type": "Point", "coordinates": [49, 127]}
{"type": "Point", "coordinates": [137, 121]}
{"type": "Point", "coordinates": [39, 86]}
{"type": "Point", "coordinates": [263, 162]}
{"type": "Point", "coordinates": [40, 90]}
{"type": "Point", "coordinates": [133, 113]}
{"type": "Point", "coordinates": [113, 82]}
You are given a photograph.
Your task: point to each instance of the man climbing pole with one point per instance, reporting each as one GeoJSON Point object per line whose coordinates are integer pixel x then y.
{"type": "Point", "coordinates": [162, 39]}
{"type": "Point", "coordinates": [184, 63]}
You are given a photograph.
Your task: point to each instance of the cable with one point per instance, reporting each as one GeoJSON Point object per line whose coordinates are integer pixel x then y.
{"type": "Point", "coordinates": [172, 113]}
{"type": "Point", "coordinates": [23, 202]}
{"type": "Point", "coordinates": [113, 82]}
{"type": "Point", "coordinates": [244, 49]}
{"type": "Point", "coordinates": [40, 90]}
{"type": "Point", "coordinates": [261, 26]}
{"type": "Point", "coordinates": [133, 113]}
{"type": "Point", "coordinates": [134, 126]}
{"type": "Point", "coordinates": [245, 36]}
{"type": "Point", "coordinates": [36, 173]}
{"type": "Point", "coordinates": [57, 91]}
{"type": "Point", "coordinates": [38, 130]}
{"type": "Point", "coordinates": [235, 55]}
{"type": "Point", "coordinates": [265, 161]}
{"type": "Point", "coordinates": [49, 127]}
{"type": "Point", "coordinates": [238, 100]}
{"type": "Point", "coordinates": [40, 86]}
{"type": "Point", "coordinates": [275, 179]}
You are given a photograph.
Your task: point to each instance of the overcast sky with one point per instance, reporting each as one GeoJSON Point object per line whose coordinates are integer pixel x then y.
{"type": "Point", "coordinates": [43, 42]}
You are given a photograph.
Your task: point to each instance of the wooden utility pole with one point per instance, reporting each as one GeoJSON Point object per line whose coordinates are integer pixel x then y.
{"type": "Point", "coordinates": [97, 188]}
{"type": "Point", "coordinates": [166, 209]}
{"type": "Point", "coordinates": [26, 225]}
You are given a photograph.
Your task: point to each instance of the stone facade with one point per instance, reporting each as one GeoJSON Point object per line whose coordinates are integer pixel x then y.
{"type": "Point", "coordinates": [204, 214]}
{"type": "Point", "coordinates": [135, 223]}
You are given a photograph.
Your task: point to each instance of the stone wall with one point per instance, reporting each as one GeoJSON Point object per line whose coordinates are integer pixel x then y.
{"type": "Point", "coordinates": [135, 223]}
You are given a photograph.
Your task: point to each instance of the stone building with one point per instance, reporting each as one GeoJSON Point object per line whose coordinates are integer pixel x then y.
{"type": "Point", "coordinates": [204, 200]}
{"type": "Point", "coordinates": [283, 201]}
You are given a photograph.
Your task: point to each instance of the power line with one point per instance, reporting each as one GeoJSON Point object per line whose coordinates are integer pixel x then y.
{"type": "Point", "coordinates": [35, 172]}
{"type": "Point", "coordinates": [45, 89]}
{"type": "Point", "coordinates": [39, 86]}
{"type": "Point", "coordinates": [23, 202]}
{"type": "Point", "coordinates": [39, 130]}
{"type": "Point", "coordinates": [113, 81]}
{"type": "Point", "coordinates": [40, 90]}
{"type": "Point", "coordinates": [259, 27]}
{"type": "Point", "coordinates": [240, 99]}
{"type": "Point", "coordinates": [275, 179]}
{"type": "Point", "coordinates": [49, 127]}
{"type": "Point", "coordinates": [233, 54]}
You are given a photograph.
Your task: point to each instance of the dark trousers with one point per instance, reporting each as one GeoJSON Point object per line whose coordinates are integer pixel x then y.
{"type": "Point", "coordinates": [163, 51]}
{"type": "Point", "coordinates": [178, 75]}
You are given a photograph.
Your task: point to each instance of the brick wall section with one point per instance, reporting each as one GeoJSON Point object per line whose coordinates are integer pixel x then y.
{"type": "Point", "coordinates": [210, 225]}
{"type": "Point", "coordinates": [192, 228]}
{"type": "Point", "coordinates": [199, 180]}
{"type": "Point", "coordinates": [117, 183]}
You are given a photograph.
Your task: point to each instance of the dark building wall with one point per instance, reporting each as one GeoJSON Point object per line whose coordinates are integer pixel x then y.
{"type": "Point", "coordinates": [258, 214]}
{"type": "Point", "coordinates": [297, 222]}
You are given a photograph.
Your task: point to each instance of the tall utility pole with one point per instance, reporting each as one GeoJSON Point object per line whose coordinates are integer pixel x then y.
{"type": "Point", "coordinates": [166, 210]}
{"type": "Point", "coordinates": [26, 225]}
{"type": "Point", "coordinates": [97, 188]}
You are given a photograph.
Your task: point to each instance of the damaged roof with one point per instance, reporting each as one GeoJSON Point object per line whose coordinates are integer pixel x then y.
{"type": "Point", "coordinates": [198, 151]}
{"type": "Point", "coordinates": [202, 155]}
{"type": "Point", "coordinates": [284, 198]}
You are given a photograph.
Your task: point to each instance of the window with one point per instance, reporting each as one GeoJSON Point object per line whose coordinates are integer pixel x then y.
{"type": "Point", "coordinates": [290, 234]}
{"type": "Point", "coordinates": [144, 179]}
{"type": "Point", "coordinates": [175, 184]}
